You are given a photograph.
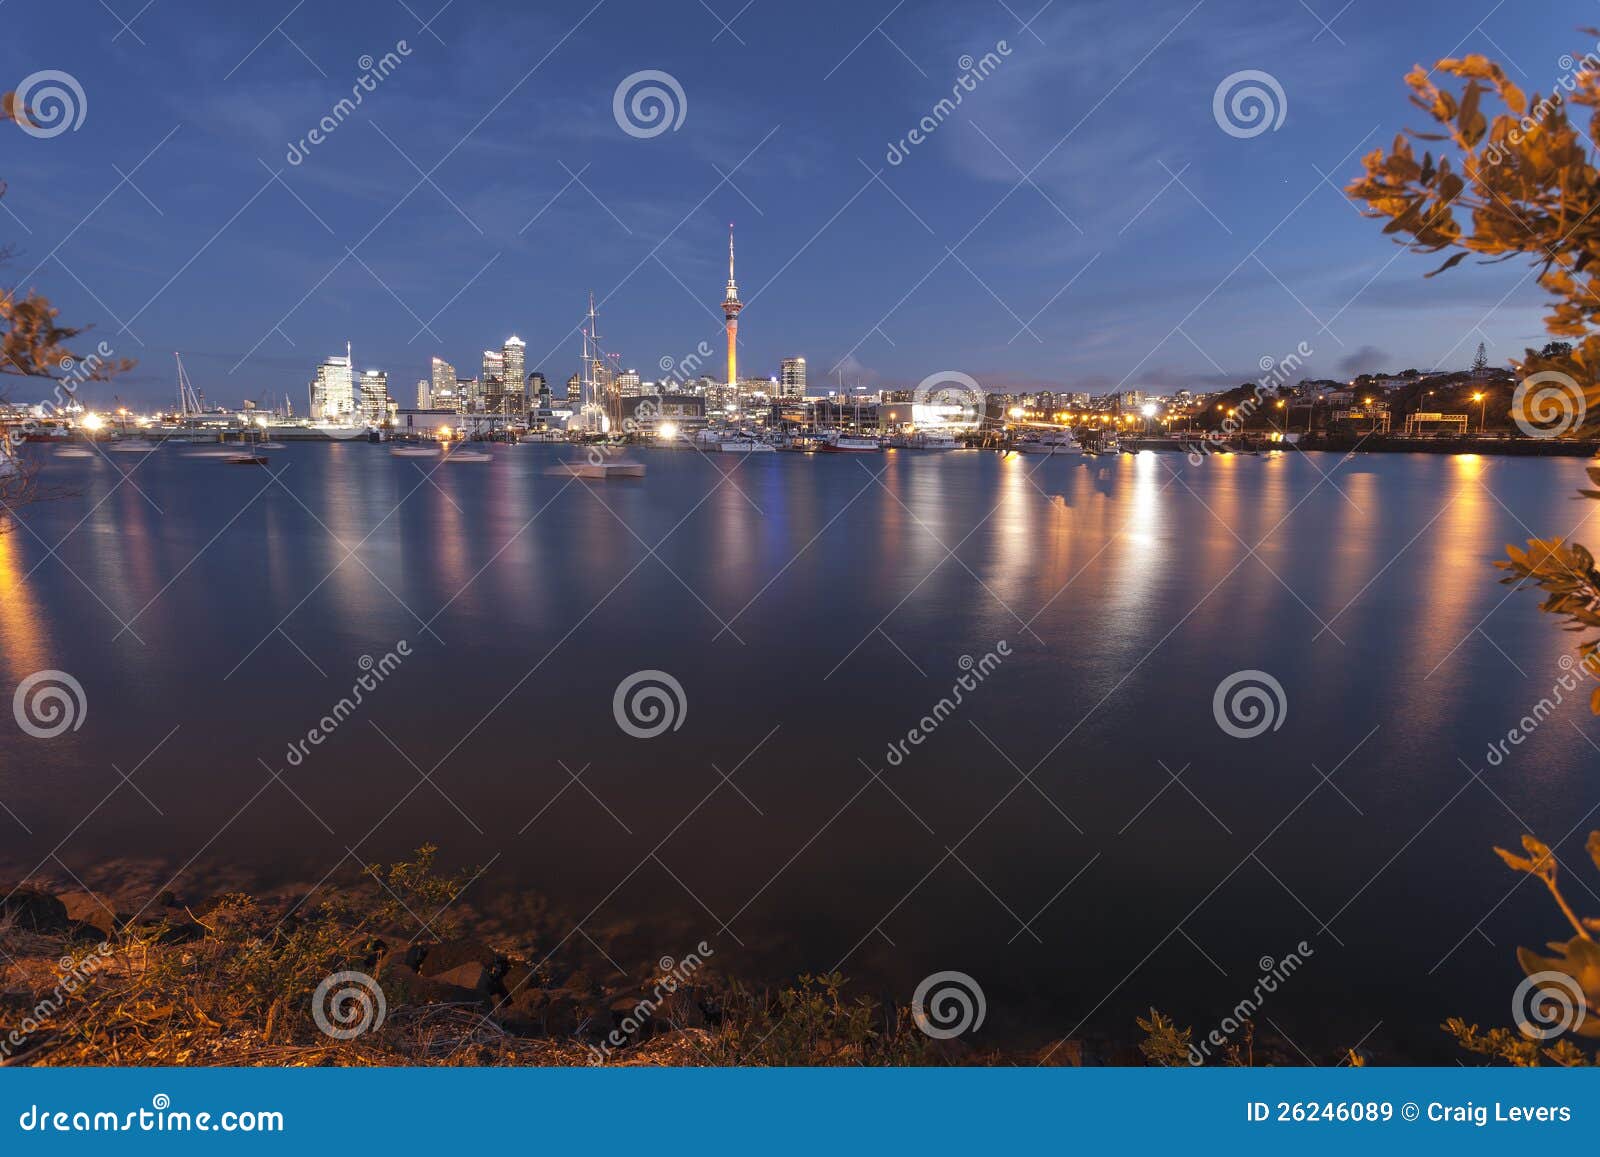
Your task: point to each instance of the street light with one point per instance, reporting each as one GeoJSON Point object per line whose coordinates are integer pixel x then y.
{"type": "Point", "coordinates": [1482, 405]}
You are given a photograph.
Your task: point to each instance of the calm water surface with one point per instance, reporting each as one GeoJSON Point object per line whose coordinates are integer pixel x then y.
{"type": "Point", "coordinates": [814, 609]}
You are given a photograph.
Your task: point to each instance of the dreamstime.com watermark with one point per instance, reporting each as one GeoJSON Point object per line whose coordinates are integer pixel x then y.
{"type": "Point", "coordinates": [160, 1117]}
{"type": "Point", "coordinates": [73, 974]}
{"type": "Point", "coordinates": [641, 421]}
{"type": "Point", "coordinates": [1572, 677]}
{"type": "Point", "coordinates": [1273, 974]}
{"type": "Point", "coordinates": [977, 670]}
{"type": "Point", "coordinates": [348, 1004]}
{"type": "Point", "coordinates": [948, 1004]}
{"type": "Point", "coordinates": [1531, 121]}
{"type": "Point", "coordinates": [373, 73]}
{"type": "Point", "coordinates": [680, 370]}
{"type": "Point", "coordinates": [49, 703]}
{"type": "Point", "coordinates": [671, 975]}
{"type": "Point", "coordinates": [1249, 703]}
{"type": "Point", "coordinates": [1276, 372]}
{"type": "Point", "coordinates": [1249, 102]}
{"type": "Point", "coordinates": [649, 703]}
{"type": "Point", "coordinates": [1547, 1004]}
{"type": "Point", "coordinates": [1548, 404]}
{"type": "Point", "coordinates": [973, 73]}
{"type": "Point", "coordinates": [50, 102]}
{"type": "Point", "coordinates": [952, 396]}
{"type": "Point", "coordinates": [649, 102]}
{"type": "Point", "coordinates": [376, 671]}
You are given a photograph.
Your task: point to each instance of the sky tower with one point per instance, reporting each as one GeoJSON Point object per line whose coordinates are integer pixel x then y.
{"type": "Point", "coordinates": [731, 305]}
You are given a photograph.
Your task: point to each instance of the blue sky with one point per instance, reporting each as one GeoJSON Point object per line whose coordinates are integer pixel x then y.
{"type": "Point", "coordinates": [1147, 246]}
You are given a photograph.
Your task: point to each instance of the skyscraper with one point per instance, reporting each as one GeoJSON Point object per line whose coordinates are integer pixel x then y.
{"type": "Point", "coordinates": [333, 392]}
{"type": "Point", "coordinates": [731, 305]}
{"type": "Point", "coordinates": [487, 395]}
{"type": "Point", "coordinates": [424, 394]}
{"type": "Point", "coordinates": [628, 384]}
{"type": "Point", "coordinates": [513, 401]}
{"type": "Point", "coordinates": [443, 394]}
{"type": "Point", "coordinates": [374, 407]}
{"type": "Point", "coordinates": [792, 379]}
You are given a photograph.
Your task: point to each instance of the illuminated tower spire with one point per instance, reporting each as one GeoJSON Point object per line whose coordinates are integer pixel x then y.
{"type": "Point", "coordinates": [731, 305]}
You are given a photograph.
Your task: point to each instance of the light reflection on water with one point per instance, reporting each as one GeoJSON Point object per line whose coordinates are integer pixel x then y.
{"type": "Point", "coordinates": [1126, 587]}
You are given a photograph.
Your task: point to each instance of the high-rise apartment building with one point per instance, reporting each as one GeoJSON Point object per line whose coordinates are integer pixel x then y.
{"type": "Point", "coordinates": [792, 379]}
{"type": "Point", "coordinates": [443, 391]}
{"type": "Point", "coordinates": [513, 400]}
{"type": "Point", "coordinates": [374, 402]}
{"type": "Point", "coordinates": [333, 392]}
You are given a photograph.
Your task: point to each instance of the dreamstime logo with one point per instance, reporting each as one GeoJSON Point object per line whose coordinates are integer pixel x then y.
{"type": "Point", "coordinates": [1548, 404]}
{"type": "Point", "coordinates": [948, 1004]}
{"type": "Point", "coordinates": [1248, 103]}
{"type": "Point", "coordinates": [973, 73]}
{"type": "Point", "coordinates": [49, 703]}
{"type": "Point", "coordinates": [649, 703]}
{"type": "Point", "coordinates": [347, 1004]}
{"type": "Point", "coordinates": [1568, 681]}
{"type": "Point", "coordinates": [1274, 973]}
{"type": "Point", "coordinates": [1249, 703]}
{"type": "Point", "coordinates": [374, 672]}
{"type": "Point", "coordinates": [373, 73]}
{"type": "Point", "coordinates": [957, 397]}
{"type": "Point", "coordinates": [1547, 1004]}
{"type": "Point", "coordinates": [671, 976]}
{"type": "Point", "coordinates": [649, 102]}
{"type": "Point", "coordinates": [49, 103]}
{"type": "Point", "coordinates": [975, 672]}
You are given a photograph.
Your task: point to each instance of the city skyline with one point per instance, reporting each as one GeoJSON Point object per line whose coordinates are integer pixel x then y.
{"type": "Point", "coordinates": [1140, 249]}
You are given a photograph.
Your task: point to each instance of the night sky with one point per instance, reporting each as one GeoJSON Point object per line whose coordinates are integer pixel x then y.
{"type": "Point", "coordinates": [1146, 247]}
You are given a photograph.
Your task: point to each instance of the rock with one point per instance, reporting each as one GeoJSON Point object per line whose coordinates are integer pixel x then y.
{"type": "Point", "coordinates": [544, 1012]}
{"type": "Point", "coordinates": [35, 911]}
{"type": "Point", "coordinates": [519, 978]}
{"type": "Point", "coordinates": [451, 954]}
{"type": "Point", "coordinates": [403, 955]}
{"type": "Point", "coordinates": [580, 981]}
{"type": "Point", "coordinates": [87, 908]}
{"type": "Point", "coordinates": [474, 976]}
{"type": "Point", "coordinates": [403, 985]}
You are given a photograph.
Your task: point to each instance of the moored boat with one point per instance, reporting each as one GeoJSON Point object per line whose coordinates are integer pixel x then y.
{"type": "Point", "coordinates": [1061, 442]}
{"type": "Point", "coordinates": [846, 444]}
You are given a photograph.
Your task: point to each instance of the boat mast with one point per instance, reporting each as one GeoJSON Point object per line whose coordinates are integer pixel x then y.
{"type": "Point", "coordinates": [188, 403]}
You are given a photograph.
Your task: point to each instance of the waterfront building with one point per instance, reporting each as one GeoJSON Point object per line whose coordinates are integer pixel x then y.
{"type": "Point", "coordinates": [647, 413]}
{"type": "Point", "coordinates": [510, 400]}
{"type": "Point", "coordinates": [442, 393]}
{"type": "Point", "coordinates": [333, 393]}
{"type": "Point", "coordinates": [538, 391]}
{"type": "Point", "coordinates": [628, 384]}
{"type": "Point", "coordinates": [489, 384]}
{"type": "Point", "coordinates": [424, 394]}
{"type": "Point", "coordinates": [792, 379]}
{"type": "Point", "coordinates": [374, 403]}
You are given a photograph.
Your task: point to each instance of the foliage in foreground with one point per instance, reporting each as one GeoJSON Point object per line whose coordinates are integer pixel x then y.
{"type": "Point", "coordinates": [232, 982]}
{"type": "Point", "coordinates": [1564, 989]}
